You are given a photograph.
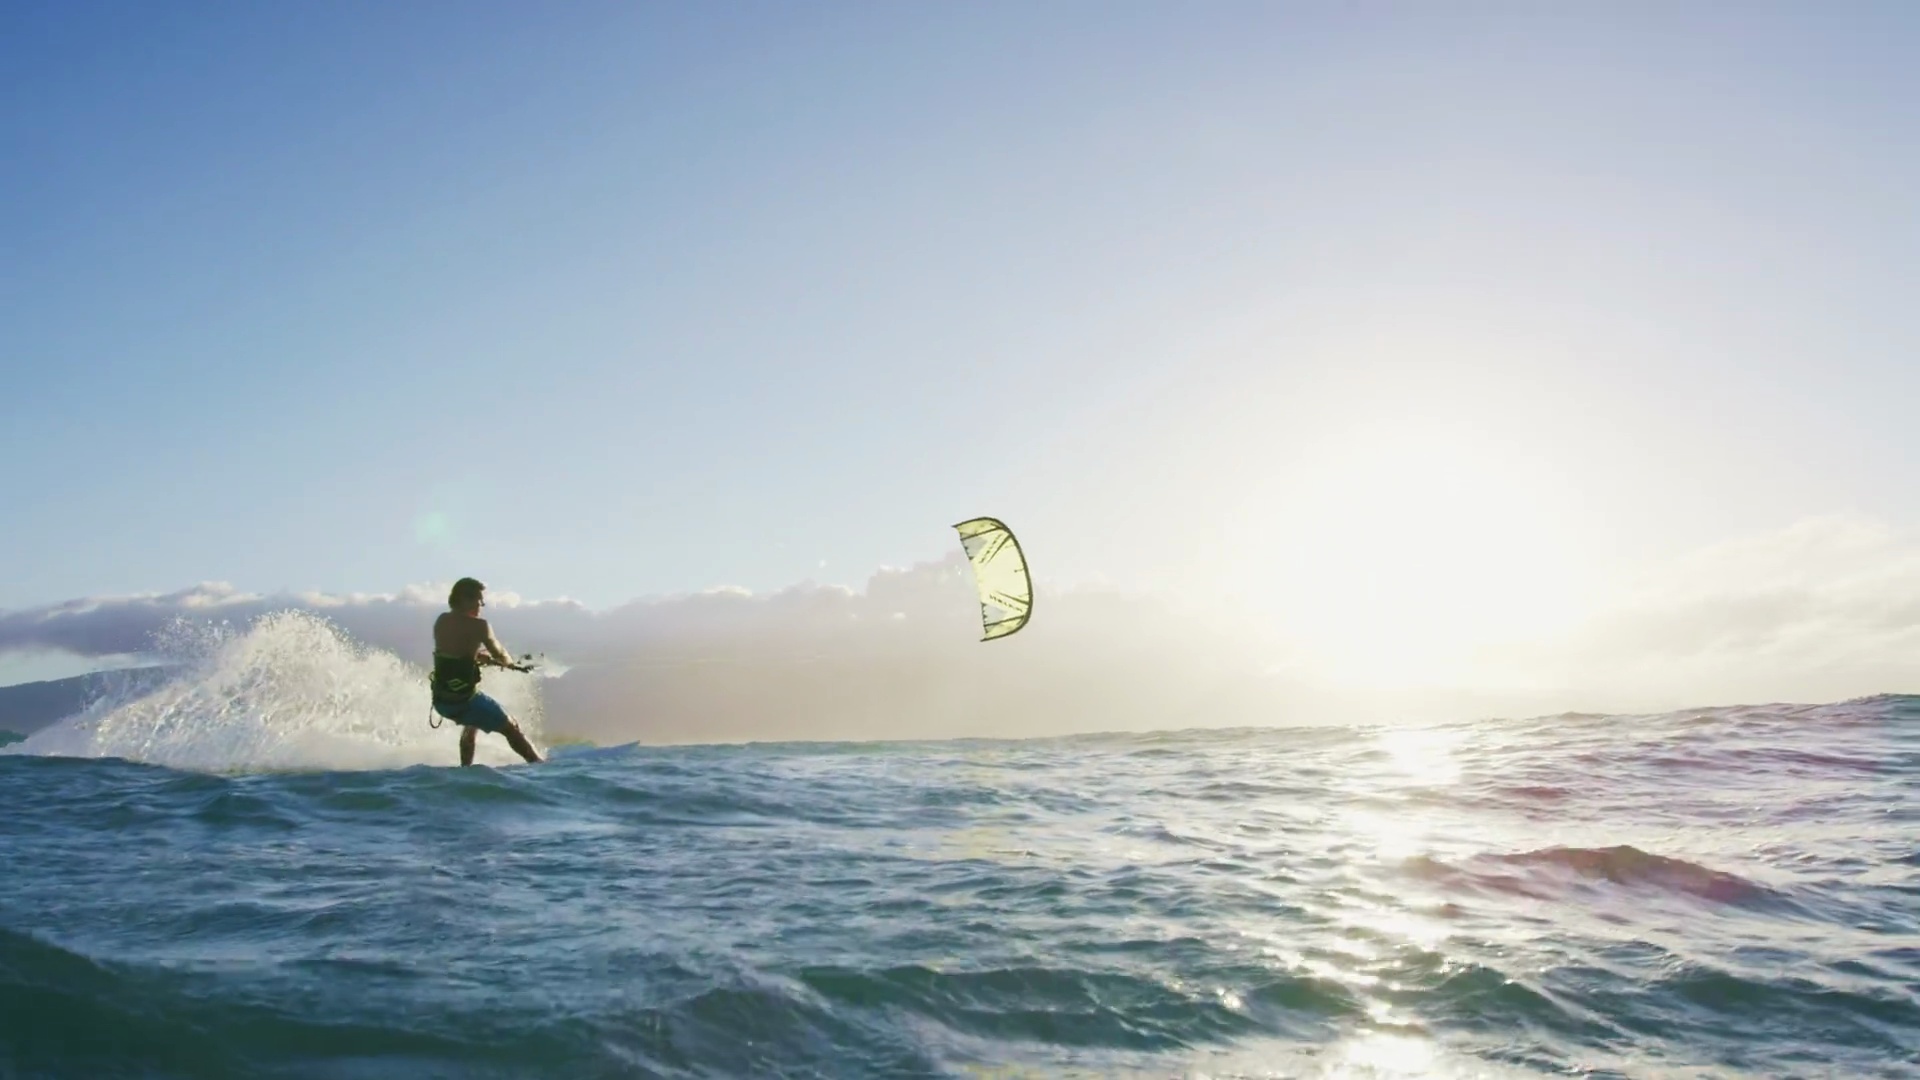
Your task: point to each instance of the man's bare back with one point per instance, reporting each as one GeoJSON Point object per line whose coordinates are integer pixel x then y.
{"type": "Point", "coordinates": [459, 634]}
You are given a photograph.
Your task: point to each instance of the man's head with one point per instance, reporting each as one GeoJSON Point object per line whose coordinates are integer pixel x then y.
{"type": "Point", "coordinates": [465, 596]}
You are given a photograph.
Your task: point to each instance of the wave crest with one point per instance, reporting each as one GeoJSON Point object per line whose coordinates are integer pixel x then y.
{"type": "Point", "coordinates": [1531, 873]}
{"type": "Point", "coordinates": [1624, 864]}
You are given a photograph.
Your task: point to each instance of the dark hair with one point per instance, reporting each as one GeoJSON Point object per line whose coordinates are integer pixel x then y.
{"type": "Point", "coordinates": [465, 591]}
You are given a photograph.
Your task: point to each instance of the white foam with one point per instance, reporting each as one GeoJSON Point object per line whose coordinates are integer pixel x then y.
{"type": "Point", "coordinates": [290, 691]}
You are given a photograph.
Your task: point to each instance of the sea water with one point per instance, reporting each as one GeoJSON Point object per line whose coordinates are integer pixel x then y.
{"type": "Point", "coordinates": [253, 872]}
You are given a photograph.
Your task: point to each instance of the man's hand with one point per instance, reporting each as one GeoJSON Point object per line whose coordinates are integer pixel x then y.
{"type": "Point", "coordinates": [492, 658]}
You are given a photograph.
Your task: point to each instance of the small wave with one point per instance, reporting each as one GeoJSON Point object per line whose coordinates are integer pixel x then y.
{"type": "Point", "coordinates": [63, 1014]}
{"type": "Point", "coordinates": [1063, 1007]}
{"type": "Point", "coordinates": [1624, 864]}
{"type": "Point", "coordinates": [241, 810]}
{"type": "Point", "coordinates": [1535, 793]}
{"type": "Point", "coordinates": [1871, 1018]}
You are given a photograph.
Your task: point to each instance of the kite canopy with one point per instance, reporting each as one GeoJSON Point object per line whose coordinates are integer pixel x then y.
{"type": "Point", "coordinates": [1000, 574]}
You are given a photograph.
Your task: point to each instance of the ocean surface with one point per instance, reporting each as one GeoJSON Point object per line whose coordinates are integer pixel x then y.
{"type": "Point", "coordinates": [251, 873]}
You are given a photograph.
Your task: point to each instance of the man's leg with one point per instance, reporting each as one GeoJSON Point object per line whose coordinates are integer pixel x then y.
{"type": "Point", "coordinates": [519, 742]}
{"type": "Point", "coordinates": [467, 732]}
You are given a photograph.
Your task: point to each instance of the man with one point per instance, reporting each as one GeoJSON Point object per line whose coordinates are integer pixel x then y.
{"type": "Point", "coordinates": [462, 641]}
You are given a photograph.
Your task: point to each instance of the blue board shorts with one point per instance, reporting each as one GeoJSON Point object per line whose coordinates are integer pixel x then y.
{"type": "Point", "coordinates": [478, 711]}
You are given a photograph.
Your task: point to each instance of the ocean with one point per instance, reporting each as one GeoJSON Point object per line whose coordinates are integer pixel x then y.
{"type": "Point", "coordinates": [267, 868]}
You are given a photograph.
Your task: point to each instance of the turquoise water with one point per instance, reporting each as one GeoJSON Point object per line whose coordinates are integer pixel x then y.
{"type": "Point", "coordinates": [1724, 892]}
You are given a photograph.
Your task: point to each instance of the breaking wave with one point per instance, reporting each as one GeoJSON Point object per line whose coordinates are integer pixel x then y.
{"type": "Point", "coordinates": [289, 691]}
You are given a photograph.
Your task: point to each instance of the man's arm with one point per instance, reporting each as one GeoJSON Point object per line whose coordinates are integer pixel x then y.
{"type": "Point", "coordinates": [492, 645]}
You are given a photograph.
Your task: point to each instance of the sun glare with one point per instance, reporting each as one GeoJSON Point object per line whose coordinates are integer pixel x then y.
{"type": "Point", "coordinates": [1397, 557]}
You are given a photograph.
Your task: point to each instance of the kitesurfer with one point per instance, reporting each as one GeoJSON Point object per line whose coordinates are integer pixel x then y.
{"type": "Point", "coordinates": [462, 642]}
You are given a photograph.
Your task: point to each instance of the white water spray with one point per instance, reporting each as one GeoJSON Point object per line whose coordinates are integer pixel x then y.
{"type": "Point", "coordinates": [288, 692]}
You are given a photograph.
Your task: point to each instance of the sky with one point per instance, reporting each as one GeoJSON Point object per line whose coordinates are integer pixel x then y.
{"type": "Point", "coordinates": [1407, 334]}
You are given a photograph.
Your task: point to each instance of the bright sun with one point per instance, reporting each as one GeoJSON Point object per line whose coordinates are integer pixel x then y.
{"type": "Point", "coordinates": [1394, 558]}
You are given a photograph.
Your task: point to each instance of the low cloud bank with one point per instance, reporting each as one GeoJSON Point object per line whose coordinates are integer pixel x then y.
{"type": "Point", "coordinates": [1826, 610]}
{"type": "Point", "coordinates": [897, 659]}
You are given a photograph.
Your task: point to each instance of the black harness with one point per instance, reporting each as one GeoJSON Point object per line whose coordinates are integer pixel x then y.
{"type": "Point", "coordinates": [454, 681]}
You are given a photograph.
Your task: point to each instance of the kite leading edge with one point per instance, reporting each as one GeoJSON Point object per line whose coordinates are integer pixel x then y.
{"type": "Point", "coordinates": [1000, 575]}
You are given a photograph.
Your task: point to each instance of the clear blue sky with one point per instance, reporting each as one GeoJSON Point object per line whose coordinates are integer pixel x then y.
{"type": "Point", "coordinates": [608, 300]}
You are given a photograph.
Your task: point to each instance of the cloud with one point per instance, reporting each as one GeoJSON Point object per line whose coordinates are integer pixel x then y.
{"type": "Point", "coordinates": [897, 659]}
{"type": "Point", "coordinates": [399, 622]}
{"type": "Point", "coordinates": [1824, 610]}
